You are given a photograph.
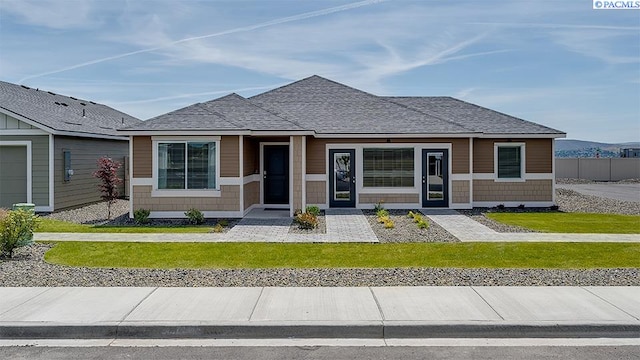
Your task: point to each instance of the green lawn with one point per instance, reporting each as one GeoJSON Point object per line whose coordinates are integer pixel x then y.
{"type": "Point", "coordinates": [52, 225]}
{"type": "Point", "coordinates": [269, 255]}
{"type": "Point", "coordinates": [557, 222]}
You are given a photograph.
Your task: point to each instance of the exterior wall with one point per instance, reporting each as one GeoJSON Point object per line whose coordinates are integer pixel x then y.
{"type": "Point", "coordinates": [316, 192]}
{"type": "Point", "coordinates": [316, 153]}
{"type": "Point", "coordinates": [531, 190]}
{"type": "Point", "coordinates": [229, 156]}
{"type": "Point", "coordinates": [10, 123]}
{"type": "Point", "coordinates": [538, 155]}
{"type": "Point", "coordinates": [250, 157]}
{"type": "Point", "coordinates": [296, 147]}
{"type": "Point", "coordinates": [389, 198]}
{"type": "Point", "coordinates": [85, 152]}
{"type": "Point", "coordinates": [228, 201]}
{"type": "Point", "coordinates": [142, 157]}
{"type": "Point", "coordinates": [251, 194]}
{"type": "Point", "coordinates": [39, 162]}
{"type": "Point", "coordinates": [460, 192]}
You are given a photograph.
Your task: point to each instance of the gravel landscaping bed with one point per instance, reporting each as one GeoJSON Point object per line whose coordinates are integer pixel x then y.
{"type": "Point", "coordinates": [28, 269]}
{"type": "Point", "coordinates": [406, 230]}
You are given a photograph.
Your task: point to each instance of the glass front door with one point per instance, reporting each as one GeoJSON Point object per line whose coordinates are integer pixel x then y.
{"type": "Point", "coordinates": [342, 178]}
{"type": "Point", "coordinates": [435, 179]}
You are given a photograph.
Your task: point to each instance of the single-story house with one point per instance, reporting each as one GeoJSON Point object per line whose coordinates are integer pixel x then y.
{"type": "Point", "coordinates": [319, 142]}
{"type": "Point", "coordinates": [49, 146]}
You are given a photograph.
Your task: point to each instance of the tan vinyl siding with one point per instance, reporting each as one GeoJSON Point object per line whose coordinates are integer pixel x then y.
{"type": "Point", "coordinates": [142, 157]}
{"type": "Point", "coordinates": [298, 176]}
{"type": "Point", "coordinates": [531, 190]}
{"type": "Point", "coordinates": [228, 201]}
{"type": "Point", "coordinates": [316, 151]}
{"type": "Point", "coordinates": [251, 194]}
{"type": "Point", "coordinates": [316, 192]}
{"type": "Point", "coordinates": [538, 153]}
{"type": "Point", "coordinates": [85, 152]}
{"type": "Point", "coordinates": [460, 191]}
{"type": "Point", "coordinates": [250, 156]}
{"type": "Point", "coordinates": [229, 156]}
{"type": "Point", "coordinates": [39, 165]}
{"type": "Point", "coordinates": [389, 198]}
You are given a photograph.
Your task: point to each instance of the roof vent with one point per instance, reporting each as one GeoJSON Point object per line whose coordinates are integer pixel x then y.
{"type": "Point", "coordinates": [72, 123]}
{"type": "Point", "coordinates": [64, 104]}
{"type": "Point", "coordinates": [25, 86]}
{"type": "Point", "coordinates": [104, 127]}
{"type": "Point", "coordinates": [83, 104]}
{"type": "Point", "coordinates": [73, 98]}
{"type": "Point", "coordinates": [92, 102]}
{"type": "Point", "coordinates": [83, 113]}
{"type": "Point", "coordinates": [51, 93]}
{"type": "Point", "coordinates": [57, 103]}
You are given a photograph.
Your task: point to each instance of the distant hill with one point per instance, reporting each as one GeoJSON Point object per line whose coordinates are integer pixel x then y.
{"type": "Point", "coordinates": [581, 148]}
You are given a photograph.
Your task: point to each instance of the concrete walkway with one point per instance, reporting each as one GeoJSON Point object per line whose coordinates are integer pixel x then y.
{"type": "Point", "coordinates": [320, 312]}
{"type": "Point", "coordinates": [342, 225]}
{"type": "Point", "coordinates": [468, 230]}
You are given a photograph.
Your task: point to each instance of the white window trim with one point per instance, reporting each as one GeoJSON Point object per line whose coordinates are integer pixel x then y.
{"type": "Point", "coordinates": [155, 192]}
{"type": "Point", "coordinates": [523, 167]}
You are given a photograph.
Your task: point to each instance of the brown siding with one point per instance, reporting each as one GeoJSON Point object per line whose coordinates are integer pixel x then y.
{"type": "Point", "coordinates": [316, 156]}
{"type": "Point", "coordinates": [531, 190]}
{"type": "Point", "coordinates": [251, 194]}
{"type": "Point", "coordinates": [228, 201]}
{"type": "Point", "coordinates": [142, 150]}
{"type": "Point", "coordinates": [250, 156]}
{"type": "Point", "coordinates": [316, 192]}
{"type": "Point", "coordinates": [390, 198]}
{"type": "Point", "coordinates": [229, 156]}
{"type": "Point", "coordinates": [298, 176]}
{"type": "Point", "coordinates": [460, 192]}
{"type": "Point", "coordinates": [85, 152]}
{"type": "Point", "coordinates": [537, 151]}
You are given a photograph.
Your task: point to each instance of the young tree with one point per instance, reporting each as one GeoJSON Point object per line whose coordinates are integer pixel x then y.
{"type": "Point", "coordinates": [107, 173]}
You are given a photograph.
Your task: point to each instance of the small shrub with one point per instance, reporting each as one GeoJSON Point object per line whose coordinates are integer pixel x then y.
{"type": "Point", "coordinates": [218, 228]}
{"type": "Point", "coordinates": [108, 174]}
{"type": "Point", "coordinates": [500, 207]}
{"type": "Point", "coordinates": [521, 206]}
{"type": "Point", "coordinates": [223, 222]}
{"type": "Point", "coordinates": [141, 216]}
{"type": "Point", "coordinates": [417, 218]}
{"type": "Point", "coordinates": [383, 219]}
{"type": "Point", "coordinates": [195, 216]}
{"type": "Point", "coordinates": [379, 206]}
{"type": "Point", "coordinates": [306, 220]}
{"type": "Point", "coordinates": [423, 224]}
{"type": "Point", "coordinates": [389, 224]}
{"type": "Point", "coordinates": [382, 213]}
{"type": "Point", "coordinates": [411, 214]}
{"type": "Point", "coordinates": [296, 212]}
{"type": "Point", "coordinates": [16, 230]}
{"type": "Point", "coordinates": [554, 207]}
{"type": "Point", "coordinates": [312, 209]}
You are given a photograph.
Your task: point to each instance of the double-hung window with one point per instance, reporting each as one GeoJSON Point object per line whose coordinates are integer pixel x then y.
{"type": "Point", "coordinates": [187, 165]}
{"type": "Point", "coordinates": [509, 159]}
{"type": "Point", "coordinates": [388, 167]}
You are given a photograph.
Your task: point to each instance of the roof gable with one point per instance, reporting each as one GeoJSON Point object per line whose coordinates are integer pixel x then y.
{"type": "Point", "coordinates": [55, 112]}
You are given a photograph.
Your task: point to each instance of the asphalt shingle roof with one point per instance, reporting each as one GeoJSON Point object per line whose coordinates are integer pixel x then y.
{"type": "Point", "coordinates": [325, 106]}
{"type": "Point", "coordinates": [472, 116]}
{"type": "Point", "coordinates": [231, 112]}
{"type": "Point", "coordinates": [63, 113]}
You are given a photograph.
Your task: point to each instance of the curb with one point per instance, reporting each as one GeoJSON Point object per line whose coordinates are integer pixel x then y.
{"type": "Point", "coordinates": [313, 330]}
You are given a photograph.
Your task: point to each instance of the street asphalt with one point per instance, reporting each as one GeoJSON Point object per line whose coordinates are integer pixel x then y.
{"type": "Point", "coordinates": [319, 312]}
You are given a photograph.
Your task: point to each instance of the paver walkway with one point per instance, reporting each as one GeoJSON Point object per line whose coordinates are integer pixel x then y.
{"type": "Point", "coordinates": [342, 225]}
{"type": "Point", "coordinates": [467, 230]}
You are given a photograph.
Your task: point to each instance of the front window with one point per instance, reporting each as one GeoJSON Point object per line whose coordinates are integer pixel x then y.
{"type": "Point", "coordinates": [509, 162]}
{"type": "Point", "coordinates": [187, 165]}
{"type": "Point", "coordinates": [388, 167]}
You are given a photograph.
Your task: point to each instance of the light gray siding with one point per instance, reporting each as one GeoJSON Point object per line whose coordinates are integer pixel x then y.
{"type": "Point", "coordinates": [85, 152]}
{"type": "Point", "coordinates": [39, 165]}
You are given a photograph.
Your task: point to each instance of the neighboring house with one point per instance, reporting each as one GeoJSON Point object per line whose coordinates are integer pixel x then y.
{"type": "Point", "coordinates": [318, 142]}
{"type": "Point", "coordinates": [49, 145]}
{"type": "Point", "coordinates": [630, 153]}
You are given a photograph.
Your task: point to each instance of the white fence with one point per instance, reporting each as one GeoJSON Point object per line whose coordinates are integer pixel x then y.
{"type": "Point", "coordinates": [604, 169]}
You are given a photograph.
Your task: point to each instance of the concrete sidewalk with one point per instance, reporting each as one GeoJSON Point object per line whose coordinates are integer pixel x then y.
{"type": "Point", "coordinates": [329, 312]}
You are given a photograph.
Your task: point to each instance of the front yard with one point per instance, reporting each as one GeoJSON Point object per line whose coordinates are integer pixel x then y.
{"type": "Point", "coordinates": [419, 255]}
{"type": "Point", "coordinates": [559, 222]}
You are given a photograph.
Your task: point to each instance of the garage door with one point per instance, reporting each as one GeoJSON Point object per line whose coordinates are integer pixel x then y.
{"type": "Point", "coordinates": [13, 175]}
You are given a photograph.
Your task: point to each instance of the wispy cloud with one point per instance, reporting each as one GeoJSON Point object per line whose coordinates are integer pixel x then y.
{"type": "Point", "coordinates": [279, 21]}
{"type": "Point", "coordinates": [51, 13]}
{"type": "Point", "coordinates": [192, 95]}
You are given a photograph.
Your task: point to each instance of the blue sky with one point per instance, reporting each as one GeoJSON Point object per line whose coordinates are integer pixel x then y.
{"type": "Point", "coordinates": [558, 63]}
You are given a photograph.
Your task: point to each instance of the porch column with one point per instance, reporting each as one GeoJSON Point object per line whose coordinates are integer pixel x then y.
{"type": "Point", "coordinates": [297, 188]}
